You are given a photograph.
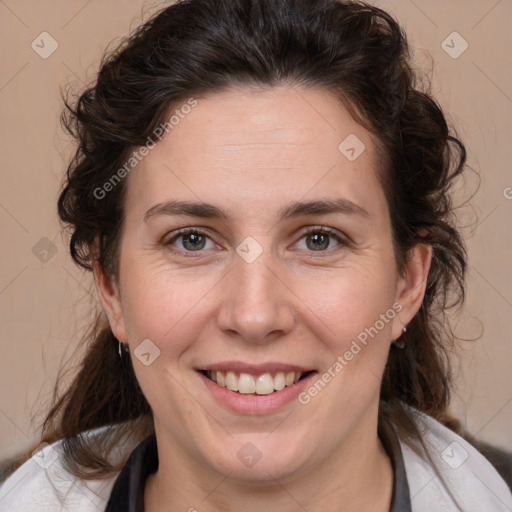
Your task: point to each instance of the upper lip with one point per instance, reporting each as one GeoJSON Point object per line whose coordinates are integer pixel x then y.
{"type": "Point", "coordinates": [255, 369]}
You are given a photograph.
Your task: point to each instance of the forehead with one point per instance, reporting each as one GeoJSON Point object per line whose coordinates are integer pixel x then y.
{"type": "Point", "coordinates": [242, 148]}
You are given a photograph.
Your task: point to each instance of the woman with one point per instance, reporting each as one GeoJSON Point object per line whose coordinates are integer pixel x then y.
{"type": "Point", "coordinates": [262, 195]}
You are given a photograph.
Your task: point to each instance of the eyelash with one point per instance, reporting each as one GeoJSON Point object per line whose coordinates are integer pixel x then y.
{"type": "Point", "coordinates": [343, 242]}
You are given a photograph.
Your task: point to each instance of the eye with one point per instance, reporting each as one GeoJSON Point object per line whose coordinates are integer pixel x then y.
{"type": "Point", "coordinates": [192, 240]}
{"type": "Point", "coordinates": [318, 239]}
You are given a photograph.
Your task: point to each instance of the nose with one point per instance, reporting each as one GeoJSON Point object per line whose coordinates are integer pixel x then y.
{"type": "Point", "coordinates": [257, 304]}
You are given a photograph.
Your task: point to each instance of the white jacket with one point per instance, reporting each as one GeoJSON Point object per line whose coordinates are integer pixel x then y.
{"type": "Point", "coordinates": [42, 483]}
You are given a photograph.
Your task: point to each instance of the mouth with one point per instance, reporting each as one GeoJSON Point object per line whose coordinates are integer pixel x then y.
{"type": "Point", "coordinates": [265, 383]}
{"type": "Point", "coordinates": [255, 389]}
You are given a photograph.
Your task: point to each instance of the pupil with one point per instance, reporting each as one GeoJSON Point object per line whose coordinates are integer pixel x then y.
{"type": "Point", "coordinates": [319, 237]}
{"type": "Point", "coordinates": [193, 238]}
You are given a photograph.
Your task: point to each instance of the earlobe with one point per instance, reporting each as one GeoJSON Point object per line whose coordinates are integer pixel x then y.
{"type": "Point", "coordinates": [412, 285]}
{"type": "Point", "coordinates": [108, 292]}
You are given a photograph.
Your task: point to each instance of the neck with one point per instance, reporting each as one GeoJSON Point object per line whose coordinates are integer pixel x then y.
{"type": "Point", "coordinates": [358, 477]}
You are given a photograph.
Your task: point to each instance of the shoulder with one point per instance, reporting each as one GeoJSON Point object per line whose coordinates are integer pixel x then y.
{"type": "Point", "coordinates": [43, 483]}
{"type": "Point", "coordinates": [470, 478]}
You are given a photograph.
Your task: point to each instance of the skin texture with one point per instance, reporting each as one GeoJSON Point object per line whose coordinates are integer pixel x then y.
{"type": "Point", "coordinates": [251, 153]}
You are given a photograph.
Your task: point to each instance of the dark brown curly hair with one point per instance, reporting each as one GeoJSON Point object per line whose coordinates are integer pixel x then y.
{"type": "Point", "coordinates": [194, 47]}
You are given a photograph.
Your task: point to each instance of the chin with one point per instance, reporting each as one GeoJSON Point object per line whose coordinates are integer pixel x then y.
{"type": "Point", "coordinates": [258, 459]}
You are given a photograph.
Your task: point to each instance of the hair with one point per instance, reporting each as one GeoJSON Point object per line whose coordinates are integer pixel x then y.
{"type": "Point", "coordinates": [354, 50]}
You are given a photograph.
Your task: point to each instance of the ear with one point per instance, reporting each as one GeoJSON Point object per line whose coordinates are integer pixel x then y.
{"type": "Point", "coordinates": [412, 285]}
{"type": "Point", "coordinates": [108, 292]}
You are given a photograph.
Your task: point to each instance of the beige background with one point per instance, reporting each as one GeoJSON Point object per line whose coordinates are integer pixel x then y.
{"type": "Point", "coordinates": [43, 297]}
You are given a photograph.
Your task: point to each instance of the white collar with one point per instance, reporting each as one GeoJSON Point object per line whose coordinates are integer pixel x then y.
{"type": "Point", "coordinates": [471, 478]}
{"type": "Point", "coordinates": [473, 481]}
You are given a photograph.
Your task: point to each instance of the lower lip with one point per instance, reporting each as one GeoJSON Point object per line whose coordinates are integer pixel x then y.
{"type": "Point", "coordinates": [257, 404]}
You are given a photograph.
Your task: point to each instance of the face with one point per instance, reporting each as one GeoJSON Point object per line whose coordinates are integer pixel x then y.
{"type": "Point", "coordinates": [288, 274]}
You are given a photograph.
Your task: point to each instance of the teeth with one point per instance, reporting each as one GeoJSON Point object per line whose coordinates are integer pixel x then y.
{"type": "Point", "coordinates": [231, 381]}
{"type": "Point", "coordinates": [279, 381]}
{"type": "Point", "coordinates": [247, 384]}
{"type": "Point", "coordinates": [264, 384]}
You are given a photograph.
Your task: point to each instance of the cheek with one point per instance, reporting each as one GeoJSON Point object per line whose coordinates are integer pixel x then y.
{"type": "Point", "coordinates": [349, 300]}
{"type": "Point", "coordinates": [172, 306]}
{"type": "Point", "coordinates": [161, 304]}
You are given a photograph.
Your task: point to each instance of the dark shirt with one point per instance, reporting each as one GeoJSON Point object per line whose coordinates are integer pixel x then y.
{"type": "Point", "coordinates": [128, 492]}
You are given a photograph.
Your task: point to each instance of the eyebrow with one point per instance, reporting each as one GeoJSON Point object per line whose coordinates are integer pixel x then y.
{"type": "Point", "coordinates": [295, 209]}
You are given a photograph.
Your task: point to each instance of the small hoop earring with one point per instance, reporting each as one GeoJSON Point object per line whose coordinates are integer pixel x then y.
{"type": "Point", "coordinates": [400, 343]}
{"type": "Point", "coordinates": [121, 348]}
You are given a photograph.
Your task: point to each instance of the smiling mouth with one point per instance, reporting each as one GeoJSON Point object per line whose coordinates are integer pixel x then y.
{"type": "Point", "coordinates": [248, 384]}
